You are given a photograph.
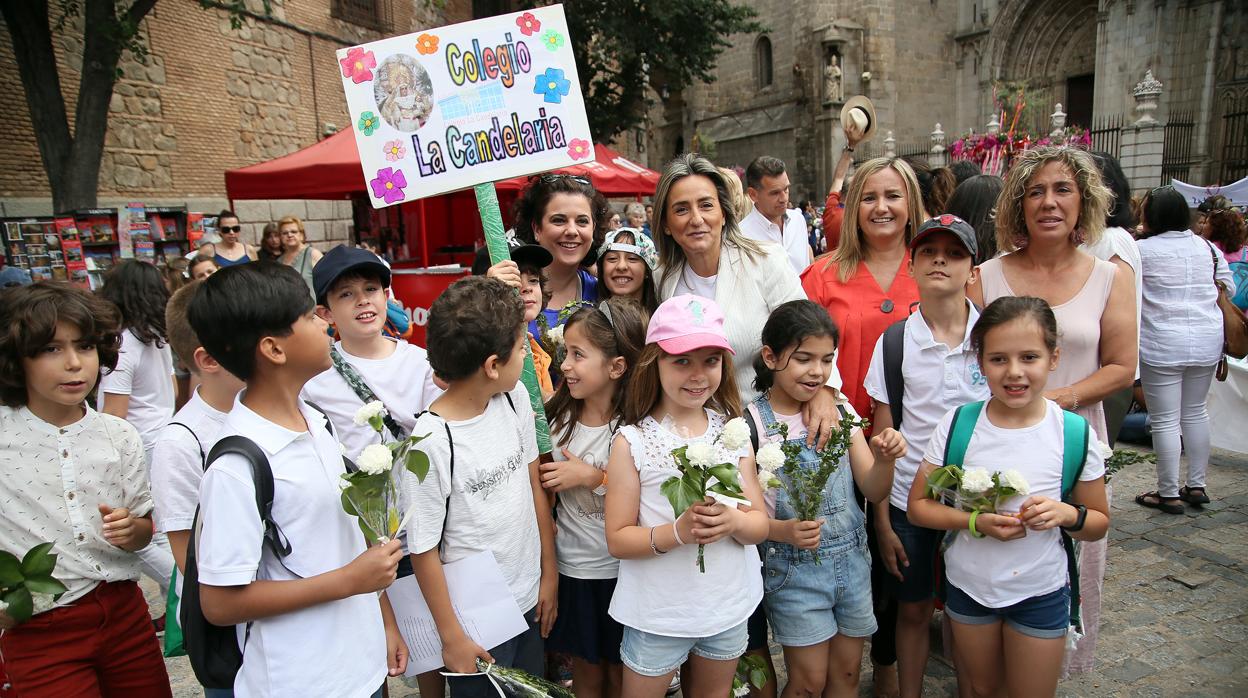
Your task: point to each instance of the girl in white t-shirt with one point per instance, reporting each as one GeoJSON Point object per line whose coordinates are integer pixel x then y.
{"type": "Point", "coordinates": [681, 394]}
{"type": "Point", "coordinates": [140, 389]}
{"type": "Point", "coordinates": [1008, 591]}
{"type": "Point", "coordinates": [822, 619]}
{"type": "Point", "coordinates": [601, 346]}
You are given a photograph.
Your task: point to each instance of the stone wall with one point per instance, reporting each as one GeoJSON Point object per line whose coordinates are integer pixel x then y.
{"type": "Point", "coordinates": [208, 98]}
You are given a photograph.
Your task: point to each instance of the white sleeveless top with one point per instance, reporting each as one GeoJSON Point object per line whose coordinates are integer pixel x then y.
{"type": "Point", "coordinates": [667, 595]}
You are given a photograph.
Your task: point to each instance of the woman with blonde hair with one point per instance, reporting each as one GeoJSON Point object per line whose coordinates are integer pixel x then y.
{"type": "Point", "coordinates": [296, 252]}
{"type": "Point", "coordinates": [1055, 200]}
{"type": "Point", "coordinates": [865, 287]}
{"type": "Point", "coordinates": [737, 192]}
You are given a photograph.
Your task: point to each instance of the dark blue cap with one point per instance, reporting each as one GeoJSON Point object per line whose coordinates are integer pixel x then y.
{"type": "Point", "coordinates": [341, 260]}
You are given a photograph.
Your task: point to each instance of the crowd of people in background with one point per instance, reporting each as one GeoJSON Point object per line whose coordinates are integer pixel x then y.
{"type": "Point", "coordinates": [925, 317]}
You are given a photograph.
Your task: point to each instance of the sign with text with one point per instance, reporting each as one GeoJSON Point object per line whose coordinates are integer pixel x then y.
{"type": "Point", "coordinates": [449, 108]}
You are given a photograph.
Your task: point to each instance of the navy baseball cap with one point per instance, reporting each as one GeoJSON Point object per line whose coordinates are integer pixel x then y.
{"type": "Point", "coordinates": [947, 223]}
{"type": "Point", "coordinates": [341, 260]}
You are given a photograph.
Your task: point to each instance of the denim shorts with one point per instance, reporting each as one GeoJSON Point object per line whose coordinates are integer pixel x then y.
{"type": "Point", "coordinates": [656, 655]}
{"type": "Point", "coordinates": [918, 582]}
{"type": "Point", "coordinates": [808, 602]}
{"type": "Point", "coordinates": [1046, 616]}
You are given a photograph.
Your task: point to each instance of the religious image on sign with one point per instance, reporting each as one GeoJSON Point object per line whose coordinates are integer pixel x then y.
{"type": "Point", "coordinates": [448, 108]}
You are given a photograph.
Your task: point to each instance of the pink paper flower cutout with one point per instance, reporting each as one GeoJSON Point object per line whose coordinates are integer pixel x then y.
{"type": "Point", "coordinates": [579, 149]}
{"type": "Point", "coordinates": [388, 186]}
{"type": "Point", "coordinates": [358, 65]}
{"type": "Point", "coordinates": [394, 150]}
{"type": "Point", "coordinates": [529, 25]}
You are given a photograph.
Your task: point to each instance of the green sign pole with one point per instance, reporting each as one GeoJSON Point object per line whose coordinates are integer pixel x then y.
{"type": "Point", "coordinates": [496, 241]}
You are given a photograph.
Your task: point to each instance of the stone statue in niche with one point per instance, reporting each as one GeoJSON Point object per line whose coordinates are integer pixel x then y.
{"type": "Point", "coordinates": [833, 90]}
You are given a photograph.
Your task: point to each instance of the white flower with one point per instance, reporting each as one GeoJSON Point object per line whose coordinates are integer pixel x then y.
{"type": "Point", "coordinates": [42, 602]}
{"type": "Point", "coordinates": [700, 454]}
{"type": "Point", "coordinates": [735, 435]}
{"type": "Point", "coordinates": [369, 411]}
{"type": "Point", "coordinates": [375, 459]}
{"type": "Point", "coordinates": [555, 335]}
{"type": "Point", "coordinates": [770, 458]}
{"type": "Point", "coordinates": [976, 480]}
{"type": "Point", "coordinates": [1015, 479]}
{"type": "Point", "coordinates": [740, 691]}
{"type": "Point", "coordinates": [3, 606]}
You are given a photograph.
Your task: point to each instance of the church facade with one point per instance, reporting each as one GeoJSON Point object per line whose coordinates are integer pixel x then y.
{"type": "Point", "coordinates": [957, 63]}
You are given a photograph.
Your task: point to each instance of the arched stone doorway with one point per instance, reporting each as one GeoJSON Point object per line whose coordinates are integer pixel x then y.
{"type": "Point", "coordinates": [1051, 47]}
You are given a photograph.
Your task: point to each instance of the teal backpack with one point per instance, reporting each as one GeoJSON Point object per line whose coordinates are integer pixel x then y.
{"type": "Point", "coordinates": [1076, 433]}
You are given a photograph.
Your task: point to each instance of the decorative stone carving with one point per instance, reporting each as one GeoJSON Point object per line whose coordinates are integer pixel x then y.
{"type": "Point", "coordinates": [1058, 120]}
{"type": "Point", "coordinates": [1146, 93]}
{"type": "Point", "coordinates": [833, 87]}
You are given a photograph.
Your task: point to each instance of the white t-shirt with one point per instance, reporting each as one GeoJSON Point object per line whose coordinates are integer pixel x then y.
{"type": "Point", "coordinates": [331, 649]}
{"type": "Point", "coordinates": [689, 282]}
{"type": "Point", "coordinates": [936, 379]}
{"type": "Point", "coordinates": [403, 381]}
{"type": "Point", "coordinates": [1117, 241]}
{"type": "Point", "coordinates": [1002, 573]}
{"type": "Point", "coordinates": [145, 373]}
{"type": "Point", "coordinates": [667, 595]}
{"type": "Point", "coordinates": [793, 238]}
{"type": "Point", "coordinates": [491, 493]}
{"type": "Point", "coordinates": [178, 463]}
{"type": "Point", "coordinates": [581, 546]}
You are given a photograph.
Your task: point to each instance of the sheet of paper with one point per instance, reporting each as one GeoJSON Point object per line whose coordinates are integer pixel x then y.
{"type": "Point", "coordinates": [481, 599]}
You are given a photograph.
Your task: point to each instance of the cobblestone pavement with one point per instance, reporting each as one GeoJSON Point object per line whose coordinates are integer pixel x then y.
{"type": "Point", "coordinates": [1175, 617]}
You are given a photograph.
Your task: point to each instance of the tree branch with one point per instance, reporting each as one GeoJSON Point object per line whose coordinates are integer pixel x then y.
{"type": "Point", "coordinates": [27, 22]}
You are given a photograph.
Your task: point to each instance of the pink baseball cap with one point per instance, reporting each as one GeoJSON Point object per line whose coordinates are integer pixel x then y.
{"type": "Point", "coordinates": [682, 324]}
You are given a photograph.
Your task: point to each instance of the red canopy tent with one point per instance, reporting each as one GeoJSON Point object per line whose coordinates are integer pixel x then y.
{"type": "Point", "coordinates": [427, 232]}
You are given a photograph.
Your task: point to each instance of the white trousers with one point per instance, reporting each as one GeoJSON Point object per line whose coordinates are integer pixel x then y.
{"type": "Point", "coordinates": [1177, 397]}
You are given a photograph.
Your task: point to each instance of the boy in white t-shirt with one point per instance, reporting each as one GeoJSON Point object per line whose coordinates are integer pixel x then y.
{"type": "Point", "coordinates": [178, 455]}
{"type": "Point", "coordinates": [309, 622]}
{"type": "Point", "coordinates": [483, 491]}
{"type": "Point", "coordinates": [351, 285]}
{"type": "Point", "coordinates": [939, 372]}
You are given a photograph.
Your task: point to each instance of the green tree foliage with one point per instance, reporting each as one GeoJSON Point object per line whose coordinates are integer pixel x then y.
{"type": "Point", "coordinates": [623, 46]}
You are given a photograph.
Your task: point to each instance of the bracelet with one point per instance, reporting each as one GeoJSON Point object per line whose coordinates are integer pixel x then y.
{"type": "Point", "coordinates": [1074, 399]}
{"type": "Point", "coordinates": [676, 534]}
{"type": "Point", "coordinates": [971, 526]}
{"type": "Point", "coordinates": [653, 547]}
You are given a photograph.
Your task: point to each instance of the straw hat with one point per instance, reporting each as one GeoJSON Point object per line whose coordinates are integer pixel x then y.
{"type": "Point", "coordinates": [858, 115]}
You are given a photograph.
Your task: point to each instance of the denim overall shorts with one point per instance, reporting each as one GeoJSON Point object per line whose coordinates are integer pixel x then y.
{"type": "Point", "coordinates": [808, 602]}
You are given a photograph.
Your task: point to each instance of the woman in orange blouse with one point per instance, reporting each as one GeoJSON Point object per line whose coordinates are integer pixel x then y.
{"type": "Point", "coordinates": [864, 283]}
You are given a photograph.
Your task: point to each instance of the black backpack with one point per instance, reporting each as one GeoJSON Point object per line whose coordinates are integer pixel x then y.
{"type": "Point", "coordinates": [214, 650]}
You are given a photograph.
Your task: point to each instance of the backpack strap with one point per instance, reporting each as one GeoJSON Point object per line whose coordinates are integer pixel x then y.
{"type": "Point", "coordinates": [960, 430]}
{"type": "Point", "coordinates": [894, 348]}
{"type": "Point", "coordinates": [749, 420]}
{"type": "Point", "coordinates": [1075, 436]}
{"type": "Point", "coordinates": [366, 395]}
{"type": "Point", "coordinates": [450, 480]}
{"type": "Point", "coordinates": [203, 461]}
{"type": "Point", "coordinates": [262, 478]}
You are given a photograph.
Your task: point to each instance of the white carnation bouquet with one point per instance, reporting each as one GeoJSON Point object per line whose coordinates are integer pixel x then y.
{"type": "Point", "coordinates": [975, 489]}
{"type": "Point", "coordinates": [707, 470]}
{"type": "Point", "coordinates": [371, 493]}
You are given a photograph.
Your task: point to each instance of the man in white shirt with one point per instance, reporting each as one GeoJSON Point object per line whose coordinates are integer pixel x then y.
{"type": "Point", "coordinates": [771, 219]}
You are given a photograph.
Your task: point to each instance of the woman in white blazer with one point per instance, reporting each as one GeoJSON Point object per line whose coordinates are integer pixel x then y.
{"type": "Point", "coordinates": [702, 251]}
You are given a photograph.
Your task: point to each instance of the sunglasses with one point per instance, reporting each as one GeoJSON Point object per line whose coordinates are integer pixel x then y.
{"type": "Point", "coordinates": [231, 228]}
{"type": "Point", "coordinates": [552, 178]}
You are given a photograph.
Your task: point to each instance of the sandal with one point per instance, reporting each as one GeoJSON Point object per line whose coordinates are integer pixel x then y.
{"type": "Point", "coordinates": [1195, 496]}
{"type": "Point", "coordinates": [1154, 500]}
